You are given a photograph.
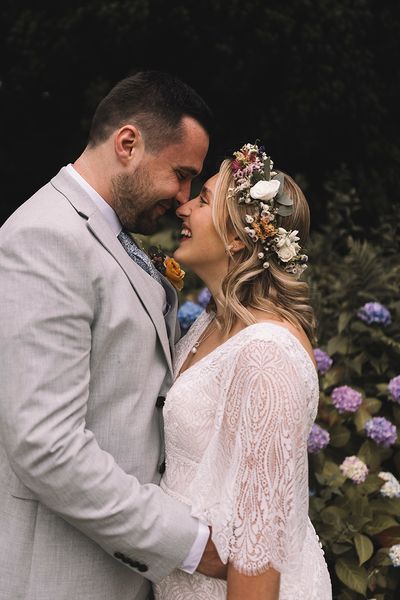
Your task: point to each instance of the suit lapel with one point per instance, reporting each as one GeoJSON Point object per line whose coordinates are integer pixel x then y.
{"type": "Point", "coordinates": [145, 287]}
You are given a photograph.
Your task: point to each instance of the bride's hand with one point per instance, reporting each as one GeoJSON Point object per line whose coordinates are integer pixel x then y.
{"type": "Point", "coordinates": [210, 563]}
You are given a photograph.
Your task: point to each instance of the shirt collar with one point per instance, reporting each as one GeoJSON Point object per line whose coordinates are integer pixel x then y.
{"type": "Point", "coordinates": [107, 211]}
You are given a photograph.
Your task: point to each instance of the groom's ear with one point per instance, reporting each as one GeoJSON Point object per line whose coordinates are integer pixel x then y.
{"type": "Point", "coordinates": [128, 142]}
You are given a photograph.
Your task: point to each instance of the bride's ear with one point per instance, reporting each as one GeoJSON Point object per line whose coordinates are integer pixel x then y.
{"type": "Point", "coordinates": [235, 245]}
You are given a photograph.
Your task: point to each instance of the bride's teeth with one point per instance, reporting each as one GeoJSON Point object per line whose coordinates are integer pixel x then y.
{"type": "Point", "coordinates": [186, 233]}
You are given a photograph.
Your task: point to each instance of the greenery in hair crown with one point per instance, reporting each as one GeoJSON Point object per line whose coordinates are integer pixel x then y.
{"type": "Point", "coordinates": [256, 184]}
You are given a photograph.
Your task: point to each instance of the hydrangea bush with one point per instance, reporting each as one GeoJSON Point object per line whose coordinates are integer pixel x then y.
{"type": "Point", "coordinates": [354, 478]}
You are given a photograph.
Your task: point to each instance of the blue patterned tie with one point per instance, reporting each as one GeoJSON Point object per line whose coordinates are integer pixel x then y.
{"type": "Point", "coordinates": [138, 255]}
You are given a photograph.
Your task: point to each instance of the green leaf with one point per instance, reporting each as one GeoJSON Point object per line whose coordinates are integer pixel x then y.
{"type": "Point", "coordinates": [387, 506]}
{"type": "Point", "coordinates": [333, 516]}
{"type": "Point", "coordinates": [340, 548]}
{"type": "Point", "coordinates": [332, 474]}
{"type": "Point", "coordinates": [373, 405]}
{"type": "Point", "coordinates": [361, 417]}
{"type": "Point", "coordinates": [344, 320]}
{"type": "Point", "coordinates": [364, 547]}
{"type": "Point", "coordinates": [352, 575]}
{"type": "Point", "coordinates": [337, 344]}
{"type": "Point", "coordinates": [340, 435]}
{"type": "Point", "coordinates": [333, 377]}
{"type": "Point", "coordinates": [380, 523]}
{"type": "Point", "coordinates": [357, 363]}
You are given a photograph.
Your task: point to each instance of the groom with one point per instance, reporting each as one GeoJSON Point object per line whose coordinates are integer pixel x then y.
{"type": "Point", "coordinates": [86, 331]}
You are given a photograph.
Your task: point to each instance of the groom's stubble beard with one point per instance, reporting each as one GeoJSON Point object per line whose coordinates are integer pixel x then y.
{"type": "Point", "coordinates": [133, 201]}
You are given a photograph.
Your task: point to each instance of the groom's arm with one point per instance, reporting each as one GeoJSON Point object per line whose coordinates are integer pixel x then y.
{"type": "Point", "coordinates": [45, 323]}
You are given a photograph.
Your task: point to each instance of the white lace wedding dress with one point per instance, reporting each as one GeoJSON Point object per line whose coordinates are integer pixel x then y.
{"type": "Point", "coordinates": [236, 429]}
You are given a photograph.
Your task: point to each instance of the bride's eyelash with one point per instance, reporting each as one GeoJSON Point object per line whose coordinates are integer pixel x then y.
{"type": "Point", "coordinates": [203, 200]}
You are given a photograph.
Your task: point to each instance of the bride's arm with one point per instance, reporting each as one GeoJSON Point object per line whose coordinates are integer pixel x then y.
{"type": "Point", "coordinates": [252, 483]}
{"type": "Point", "coordinates": [253, 587]}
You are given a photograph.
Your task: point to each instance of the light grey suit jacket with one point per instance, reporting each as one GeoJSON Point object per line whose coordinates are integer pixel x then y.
{"type": "Point", "coordinates": [85, 353]}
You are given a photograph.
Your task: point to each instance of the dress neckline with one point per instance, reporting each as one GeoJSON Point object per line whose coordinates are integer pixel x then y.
{"type": "Point", "coordinates": [234, 337]}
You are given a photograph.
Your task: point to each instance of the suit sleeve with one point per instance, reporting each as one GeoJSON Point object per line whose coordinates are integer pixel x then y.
{"type": "Point", "coordinates": [47, 313]}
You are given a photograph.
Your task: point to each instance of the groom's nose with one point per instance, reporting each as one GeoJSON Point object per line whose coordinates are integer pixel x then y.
{"type": "Point", "coordinates": [184, 192]}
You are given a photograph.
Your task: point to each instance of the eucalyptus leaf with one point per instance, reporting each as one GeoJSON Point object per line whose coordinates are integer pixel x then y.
{"type": "Point", "coordinates": [284, 199]}
{"type": "Point", "coordinates": [285, 211]}
{"type": "Point", "coordinates": [267, 168]}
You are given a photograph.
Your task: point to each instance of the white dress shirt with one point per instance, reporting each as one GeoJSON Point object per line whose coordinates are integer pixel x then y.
{"type": "Point", "coordinates": [193, 558]}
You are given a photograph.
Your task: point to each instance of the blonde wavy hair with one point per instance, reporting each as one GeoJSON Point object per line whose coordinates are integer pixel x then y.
{"type": "Point", "coordinates": [247, 284]}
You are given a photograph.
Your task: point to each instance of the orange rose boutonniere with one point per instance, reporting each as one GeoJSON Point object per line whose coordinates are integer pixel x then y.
{"type": "Point", "coordinates": [168, 267]}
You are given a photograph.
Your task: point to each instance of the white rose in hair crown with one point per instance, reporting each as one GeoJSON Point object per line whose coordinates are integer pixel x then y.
{"type": "Point", "coordinates": [265, 190]}
{"type": "Point", "coordinates": [257, 185]}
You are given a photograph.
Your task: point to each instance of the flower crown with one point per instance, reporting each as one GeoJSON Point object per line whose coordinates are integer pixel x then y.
{"type": "Point", "coordinates": [256, 184]}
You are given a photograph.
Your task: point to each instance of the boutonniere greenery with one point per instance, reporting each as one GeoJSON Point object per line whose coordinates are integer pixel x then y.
{"type": "Point", "coordinates": [167, 266]}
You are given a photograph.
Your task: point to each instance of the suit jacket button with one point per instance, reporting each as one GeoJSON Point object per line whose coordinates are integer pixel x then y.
{"type": "Point", "coordinates": [160, 401]}
{"type": "Point", "coordinates": [142, 568]}
{"type": "Point", "coordinates": [133, 563]}
{"type": "Point", "coordinates": [161, 469]}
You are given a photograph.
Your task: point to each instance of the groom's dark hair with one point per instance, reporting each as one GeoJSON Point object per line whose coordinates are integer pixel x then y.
{"type": "Point", "coordinates": [155, 102]}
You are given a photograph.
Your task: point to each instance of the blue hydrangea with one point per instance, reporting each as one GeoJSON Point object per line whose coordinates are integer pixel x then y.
{"type": "Point", "coordinates": [323, 360]}
{"type": "Point", "coordinates": [204, 297]}
{"type": "Point", "coordinates": [187, 313]}
{"type": "Point", "coordinates": [394, 388]}
{"type": "Point", "coordinates": [318, 439]}
{"type": "Point", "coordinates": [374, 312]}
{"type": "Point", "coordinates": [382, 431]}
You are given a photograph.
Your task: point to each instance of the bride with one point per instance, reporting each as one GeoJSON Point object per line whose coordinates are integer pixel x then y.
{"type": "Point", "coordinates": [245, 395]}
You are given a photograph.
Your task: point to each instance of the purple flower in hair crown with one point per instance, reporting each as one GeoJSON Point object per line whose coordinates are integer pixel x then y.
{"type": "Point", "coordinates": [262, 189]}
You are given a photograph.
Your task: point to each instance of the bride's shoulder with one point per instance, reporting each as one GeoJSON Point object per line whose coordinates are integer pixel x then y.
{"type": "Point", "coordinates": [280, 336]}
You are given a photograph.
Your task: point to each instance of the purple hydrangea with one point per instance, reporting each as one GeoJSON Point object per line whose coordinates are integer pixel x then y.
{"type": "Point", "coordinates": [323, 360]}
{"type": "Point", "coordinates": [318, 439]}
{"type": "Point", "coordinates": [394, 388]}
{"type": "Point", "coordinates": [345, 399]}
{"type": "Point", "coordinates": [374, 312]}
{"type": "Point", "coordinates": [382, 431]}
{"type": "Point", "coordinates": [204, 297]}
{"type": "Point", "coordinates": [187, 313]}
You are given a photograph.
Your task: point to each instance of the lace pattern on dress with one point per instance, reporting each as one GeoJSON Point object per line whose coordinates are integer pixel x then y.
{"type": "Point", "coordinates": [251, 484]}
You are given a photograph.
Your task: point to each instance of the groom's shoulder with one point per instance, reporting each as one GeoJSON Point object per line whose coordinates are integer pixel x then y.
{"type": "Point", "coordinates": [47, 208]}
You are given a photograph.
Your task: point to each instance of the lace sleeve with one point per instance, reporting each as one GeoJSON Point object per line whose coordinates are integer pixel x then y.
{"type": "Point", "coordinates": [252, 485]}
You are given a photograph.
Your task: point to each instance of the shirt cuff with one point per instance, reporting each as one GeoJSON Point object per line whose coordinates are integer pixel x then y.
{"type": "Point", "coordinates": [192, 560]}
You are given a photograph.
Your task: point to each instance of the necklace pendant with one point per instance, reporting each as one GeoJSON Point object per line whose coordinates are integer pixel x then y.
{"type": "Point", "coordinates": [193, 350]}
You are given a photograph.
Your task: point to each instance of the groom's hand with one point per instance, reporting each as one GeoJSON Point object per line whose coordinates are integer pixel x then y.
{"type": "Point", "coordinates": [210, 563]}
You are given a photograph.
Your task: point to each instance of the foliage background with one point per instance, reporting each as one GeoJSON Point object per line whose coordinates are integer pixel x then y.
{"type": "Point", "coordinates": [317, 81]}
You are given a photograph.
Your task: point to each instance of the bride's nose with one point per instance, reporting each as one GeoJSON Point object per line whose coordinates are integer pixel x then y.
{"type": "Point", "coordinates": [184, 210]}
